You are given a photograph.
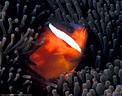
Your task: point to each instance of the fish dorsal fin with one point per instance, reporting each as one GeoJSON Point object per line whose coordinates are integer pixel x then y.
{"type": "Point", "coordinates": [62, 35]}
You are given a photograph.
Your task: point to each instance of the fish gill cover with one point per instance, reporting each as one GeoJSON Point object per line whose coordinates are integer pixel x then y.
{"type": "Point", "coordinates": [100, 71]}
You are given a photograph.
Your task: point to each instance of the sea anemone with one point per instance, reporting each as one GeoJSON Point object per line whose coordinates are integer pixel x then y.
{"type": "Point", "coordinates": [18, 25]}
{"type": "Point", "coordinates": [100, 71]}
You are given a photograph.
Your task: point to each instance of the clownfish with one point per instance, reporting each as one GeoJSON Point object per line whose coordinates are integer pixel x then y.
{"type": "Point", "coordinates": [61, 50]}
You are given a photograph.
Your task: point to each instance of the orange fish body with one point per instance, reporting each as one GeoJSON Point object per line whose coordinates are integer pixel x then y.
{"type": "Point", "coordinates": [55, 56]}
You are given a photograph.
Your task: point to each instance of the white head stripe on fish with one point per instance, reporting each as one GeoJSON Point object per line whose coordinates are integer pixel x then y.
{"type": "Point", "coordinates": [60, 34]}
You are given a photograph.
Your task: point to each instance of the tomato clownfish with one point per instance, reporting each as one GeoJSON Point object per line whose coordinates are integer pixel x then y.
{"type": "Point", "coordinates": [61, 50]}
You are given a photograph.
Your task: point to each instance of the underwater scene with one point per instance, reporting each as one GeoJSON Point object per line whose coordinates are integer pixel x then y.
{"type": "Point", "coordinates": [60, 47]}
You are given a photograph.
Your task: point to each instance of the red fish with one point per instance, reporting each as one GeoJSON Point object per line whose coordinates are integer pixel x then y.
{"type": "Point", "coordinates": [61, 51]}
